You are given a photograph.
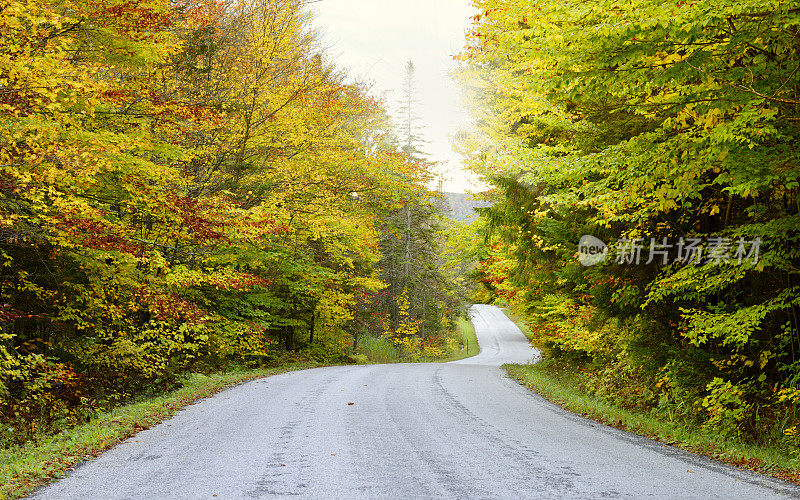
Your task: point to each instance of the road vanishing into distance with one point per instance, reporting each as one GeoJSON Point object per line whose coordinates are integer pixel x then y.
{"type": "Point", "coordinates": [454, 430]}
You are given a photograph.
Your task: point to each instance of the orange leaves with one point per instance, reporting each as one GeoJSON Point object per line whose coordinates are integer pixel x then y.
{"type": "Point", "coordinates": [169, 306]}
{"type": "Point", "coordinates": [135, 19]}
{"type": "Point", "coordinates": [167, 109]}
{"type": "Point", "coordinates": [204, 219]}
{"type": "Point", "coordinates": [98, 234]}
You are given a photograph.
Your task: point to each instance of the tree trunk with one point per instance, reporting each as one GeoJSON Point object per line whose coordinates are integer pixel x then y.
{"type": "Point", "coordinates": [313, 324]}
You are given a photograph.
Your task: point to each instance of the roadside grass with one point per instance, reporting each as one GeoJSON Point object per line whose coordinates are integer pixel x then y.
{"type": "Point", "coordinates": [465, 333]}
{"type": "Point", "coordinates": [378, 350]}
{"type": "Point", "coordinates": [561, 385]}
{"type": "Point", "coordinates": [27, 467]}
{"type": "Point", "coordinates": [519, 321]}
{"type": "Point", "coordinates": [381, 350]}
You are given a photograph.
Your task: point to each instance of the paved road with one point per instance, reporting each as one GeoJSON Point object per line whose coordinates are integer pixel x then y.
{"type": "Point", "coordinates": [456, 430]}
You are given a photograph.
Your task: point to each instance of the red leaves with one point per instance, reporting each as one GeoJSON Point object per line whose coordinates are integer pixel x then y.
{"type": "Point", "coordinates": [96, 233]}
{"type": "Point", "coordinates": [235, 282]}
{"type": "Point", "coordinates": [204, 220]}
{"type": "Point", "coordinates": [246, 282]}
{"type": "Point", "coordinates": [7, 184]}
{"type": "Point", "coordinates": [119, 95]}
{"type": "Point", "coordinates": [20, 103]}
{"type": "Point", "coordinates": [279, 229]}
{"type": "Point", "coordinates": [135, 18]}
{"type": "Point", "coordinates": [169, 306]}
{"type": "Point", "coordinates": [9, 314]}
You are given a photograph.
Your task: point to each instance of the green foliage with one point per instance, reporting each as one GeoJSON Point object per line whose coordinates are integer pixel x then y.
{"type": "Point", "coordinates": [47, 396]}
{"type": "Point", "coordinates": [379, 350]}
{"type": "Point", "coordinates": [726, 406]}
{"type": "Point", "coordinates": [647, 120]}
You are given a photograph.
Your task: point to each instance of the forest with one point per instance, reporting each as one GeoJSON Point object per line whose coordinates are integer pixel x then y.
{"type": "Point", "coordinates": [189, 186]}
{"type": "Point", "coordinates": [653, 127]}
{"type": "Point", "coordinates": [194, 186]}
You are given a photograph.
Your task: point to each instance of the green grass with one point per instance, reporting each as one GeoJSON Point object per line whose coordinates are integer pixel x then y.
{"type": "Point", "coordinates": [381, 350]}
{"type": "Point", "coordinates": [24, 468]}
{"type": "Point", "coordinates": [378, 350]}
{"type": "Point", "coordinates": [469, 341]}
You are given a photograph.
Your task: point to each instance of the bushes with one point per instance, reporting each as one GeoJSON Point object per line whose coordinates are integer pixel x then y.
{"type": "Point", "coordinates": [624, 364]}
{"type": "Point", "coordinates": [41, 396]}
{"type": "Point", "coordinates": [379, 349]}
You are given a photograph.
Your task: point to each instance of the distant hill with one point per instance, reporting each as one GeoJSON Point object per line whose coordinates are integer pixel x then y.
{"type": "Point", "coordinates": [462, 206]}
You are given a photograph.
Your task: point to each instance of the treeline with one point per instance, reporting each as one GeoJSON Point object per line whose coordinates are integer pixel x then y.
{"type": "Point", "coordinates": [185, 185]}
{"type": "Point", "coordinates": [652, 126]}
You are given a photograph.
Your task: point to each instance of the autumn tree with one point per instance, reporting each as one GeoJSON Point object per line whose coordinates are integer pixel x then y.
{"type": "Point", "coordinates": [183, 185]}
{"type": "Point", "coordinates": [638, 122]}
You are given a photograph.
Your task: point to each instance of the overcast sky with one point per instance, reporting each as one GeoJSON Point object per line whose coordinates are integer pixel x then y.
{"type": "Point", "coordinates": [375, 38]}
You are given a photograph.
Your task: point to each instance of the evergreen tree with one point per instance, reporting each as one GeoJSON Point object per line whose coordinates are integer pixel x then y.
{"type": "Point", "coordinates": [410, 126]}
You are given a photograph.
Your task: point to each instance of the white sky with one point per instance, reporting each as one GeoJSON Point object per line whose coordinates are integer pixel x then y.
{"type": "Point", "coordinates": [375, 38]}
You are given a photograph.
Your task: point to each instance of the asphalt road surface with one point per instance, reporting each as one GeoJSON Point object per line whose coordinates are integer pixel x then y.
{"type": "Point", "coordinates": [455, 430]}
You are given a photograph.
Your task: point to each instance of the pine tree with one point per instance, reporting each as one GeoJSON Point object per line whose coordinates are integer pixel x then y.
{"type": "Point", "coordinates": [410, 243]}
{"type": "Point", "coordinates": [410, 126]}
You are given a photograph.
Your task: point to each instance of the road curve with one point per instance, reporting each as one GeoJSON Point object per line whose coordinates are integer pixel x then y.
{"type": "Point", "coordinates": [455, 430]}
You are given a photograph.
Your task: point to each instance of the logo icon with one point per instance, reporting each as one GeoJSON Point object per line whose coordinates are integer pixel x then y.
{"type": "Point", "coordinates": [591, 250]}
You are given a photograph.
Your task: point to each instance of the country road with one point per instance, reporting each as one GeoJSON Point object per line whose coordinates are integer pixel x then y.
{"type": "Point", "coordinates": [455, 430]}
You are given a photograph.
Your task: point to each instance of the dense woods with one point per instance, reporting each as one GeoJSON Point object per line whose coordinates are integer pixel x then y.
{"type": "Point", "coordinates": [188, 186]}
{"type": "Point", "coordinates": [634, 122]}
{"type": "Point", "coordinates": [185, 185]}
